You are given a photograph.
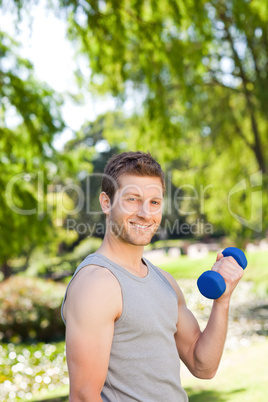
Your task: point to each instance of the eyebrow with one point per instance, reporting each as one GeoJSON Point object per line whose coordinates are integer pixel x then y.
{"type": "Point", "coordinates": [138, 195]}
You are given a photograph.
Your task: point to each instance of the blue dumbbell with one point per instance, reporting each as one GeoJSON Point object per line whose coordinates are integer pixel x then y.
{"type": "Point", "coordinates": [211, 284]}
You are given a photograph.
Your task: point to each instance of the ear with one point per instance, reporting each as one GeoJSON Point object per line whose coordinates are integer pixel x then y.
{"type": "Point", "coordinates": [105, 203]}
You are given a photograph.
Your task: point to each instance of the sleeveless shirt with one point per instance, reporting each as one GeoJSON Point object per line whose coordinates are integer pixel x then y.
{"type": "Point", "coordinates": [144, 362]}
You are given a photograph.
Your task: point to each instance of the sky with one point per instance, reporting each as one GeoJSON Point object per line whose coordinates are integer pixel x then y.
{"type": "Point", "coordinates": [44, 43]}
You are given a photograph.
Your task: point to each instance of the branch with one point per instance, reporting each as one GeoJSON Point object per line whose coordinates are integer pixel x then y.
{"type": "Point", "coordinates": [221, 84]}
{"type": "Point", "coordinates": [238, 129]}
{"type": "Point", "coordinates": [257, 146]}
{"type": "Point", "coordinates": [252, 49]}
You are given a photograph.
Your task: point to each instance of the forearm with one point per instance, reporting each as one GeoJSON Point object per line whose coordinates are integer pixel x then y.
{"type": "Point", "coordinates": [85, 395]}
{"type": "Point", "coordinates": [209, 346]}
{"type": "Point", "coordinates": [92, 398]}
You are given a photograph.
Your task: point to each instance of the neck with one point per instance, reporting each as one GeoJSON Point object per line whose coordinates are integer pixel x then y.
{"type": "Point", "coordinates": [124, 254]}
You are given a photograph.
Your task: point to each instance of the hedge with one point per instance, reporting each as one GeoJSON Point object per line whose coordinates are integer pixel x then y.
{"type": "Point", "coordinates": [30, 310]}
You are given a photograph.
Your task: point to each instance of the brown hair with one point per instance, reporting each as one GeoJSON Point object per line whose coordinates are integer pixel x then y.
{"type": "Point", "coordinates": [136, 163]}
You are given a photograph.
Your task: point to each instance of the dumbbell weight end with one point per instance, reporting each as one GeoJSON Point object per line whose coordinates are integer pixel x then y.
{"type": "Point", "coordinates": [211, 284]}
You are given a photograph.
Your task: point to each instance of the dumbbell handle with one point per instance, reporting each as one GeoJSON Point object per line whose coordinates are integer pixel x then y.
{"type": "Point", "coordinates": [211, 284]}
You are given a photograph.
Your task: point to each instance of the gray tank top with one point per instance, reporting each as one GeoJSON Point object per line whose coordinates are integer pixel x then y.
{"type": "Point", "coordinates": [144, 362]}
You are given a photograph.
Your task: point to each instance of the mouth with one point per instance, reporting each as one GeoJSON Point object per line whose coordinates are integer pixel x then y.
{"type": "Point", "coordinates": [139, 226]}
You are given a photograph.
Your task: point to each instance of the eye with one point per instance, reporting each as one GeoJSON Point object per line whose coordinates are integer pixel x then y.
{"type": "Point", "coordinates": [155, 202]}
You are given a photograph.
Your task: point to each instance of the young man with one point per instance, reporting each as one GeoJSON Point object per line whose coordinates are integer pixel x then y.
{"type": "Point", "coordinates": [127, 323]}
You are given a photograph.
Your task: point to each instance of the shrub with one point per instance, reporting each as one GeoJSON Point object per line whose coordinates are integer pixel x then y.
{"type": "Point", "coordinates": [30, 310]}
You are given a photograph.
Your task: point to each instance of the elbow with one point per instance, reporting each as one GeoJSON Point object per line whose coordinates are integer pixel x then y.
{"type": "Point", "coordinates": [203, 371]}
{"type": "Point", "coordinates": [85, 394]}
{"type": "Point", "coordinates": [78, 397]}
{"type": "Point", "coordinates": [205, 374]}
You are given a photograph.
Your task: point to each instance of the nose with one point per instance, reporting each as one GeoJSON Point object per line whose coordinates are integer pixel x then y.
{"type": "Point", "coordinates": [143, 211]}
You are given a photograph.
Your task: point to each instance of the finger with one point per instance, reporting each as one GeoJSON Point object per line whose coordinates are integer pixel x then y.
{"type": "Point", "coordinates": [229, 261]}
{"type": "Point", "coordinates": [233, 261]}
{"type": "Point", "coordinates": [227, 269]}
{"type": "Point", "coordinates": [219, 256]}
{"type": "Point", "coordinates": [227, 264]}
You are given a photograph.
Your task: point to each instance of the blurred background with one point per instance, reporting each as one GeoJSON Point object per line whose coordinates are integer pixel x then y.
{"type": "Point", "coordinates": [81, 80]}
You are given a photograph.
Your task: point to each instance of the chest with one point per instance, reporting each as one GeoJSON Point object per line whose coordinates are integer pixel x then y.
{"type": "Point", "coordinates": [149, 309]}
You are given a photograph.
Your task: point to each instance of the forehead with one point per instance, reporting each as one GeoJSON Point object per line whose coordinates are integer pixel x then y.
{"type": "Point", "coordinates": [143, 185]}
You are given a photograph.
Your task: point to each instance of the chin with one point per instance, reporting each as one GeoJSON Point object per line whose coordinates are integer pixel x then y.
{"type": "Point", "coordinates": [139, 242]}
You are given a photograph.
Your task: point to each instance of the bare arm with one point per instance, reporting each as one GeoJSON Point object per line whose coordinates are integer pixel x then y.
{"type": "Point", "coordinates": [201, 351]}
{"type": "Point", "coordinates": [91, 308]}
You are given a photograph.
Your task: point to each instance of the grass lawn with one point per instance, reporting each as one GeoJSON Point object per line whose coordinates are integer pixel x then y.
{"type": "Point", "coordinates": [242, 376]}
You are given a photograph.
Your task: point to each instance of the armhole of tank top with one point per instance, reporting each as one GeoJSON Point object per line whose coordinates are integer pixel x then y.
{"type": "Point", "coordinates": [164, 279]}
{"type": "Point", "coordinates": [122, 316]}
{"type": "Point", "coordinates": [75, 275]}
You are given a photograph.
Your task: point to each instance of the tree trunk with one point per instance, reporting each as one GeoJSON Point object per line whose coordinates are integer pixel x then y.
{"type": "Point", "coordinates": [6, 269]}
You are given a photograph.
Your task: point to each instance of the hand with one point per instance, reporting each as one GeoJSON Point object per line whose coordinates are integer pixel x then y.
{"type": "Point", "coordinates": [231, 272]}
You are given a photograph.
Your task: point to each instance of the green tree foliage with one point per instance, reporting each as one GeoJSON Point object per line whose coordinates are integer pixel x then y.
{"type": "Point", "coordinates": [188, 57]}
{"type": "Point", "coordinates": [29, 120]}
{"type": "Point", "coordinates": [196, 73]}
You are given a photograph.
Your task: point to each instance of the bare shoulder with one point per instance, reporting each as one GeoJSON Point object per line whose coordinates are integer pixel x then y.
{"type": "Point", "coordinates": [91, 308]}
{"type": "Point", "coordinates": [93, 286]}
{"type": "Point", "coordinates": [174, 284]}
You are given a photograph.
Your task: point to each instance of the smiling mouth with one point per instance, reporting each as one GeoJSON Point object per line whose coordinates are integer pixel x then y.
{"type": "Point", "coordinates": [142, 227]}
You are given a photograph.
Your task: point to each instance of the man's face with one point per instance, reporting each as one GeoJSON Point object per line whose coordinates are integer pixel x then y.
{"type": "Point", "coordinates": [136, 212]}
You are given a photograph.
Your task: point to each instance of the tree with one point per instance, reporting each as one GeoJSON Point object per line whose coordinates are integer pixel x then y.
{"type": "Point", "coordinates": [194, 72]}
{"type": "Point", "coordinates": [183, 55]}
{"type": "Point", "coordinates": [197, 71]}
{"type": "Point", "coordinates": [29, 120]}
